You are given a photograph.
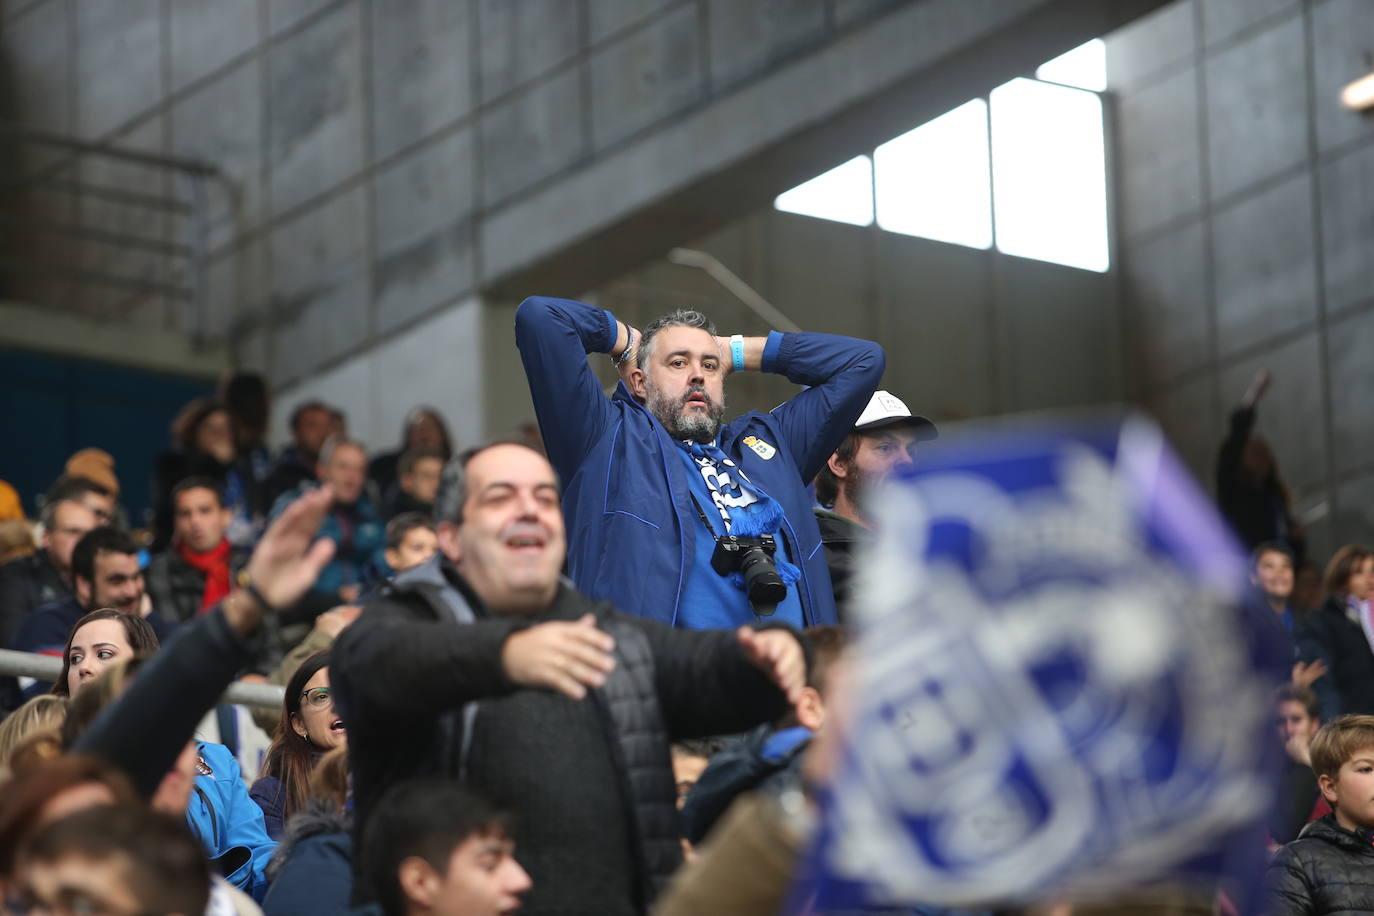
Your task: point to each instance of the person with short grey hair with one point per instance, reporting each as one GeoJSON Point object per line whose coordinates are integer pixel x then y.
{"type": "Point", "coordinates": [675, 514]}
{"type": "Point", "coordinates": [353, 523]}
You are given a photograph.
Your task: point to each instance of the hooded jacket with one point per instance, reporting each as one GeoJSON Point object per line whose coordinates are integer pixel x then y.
{"type": "Point", "coordinates": [630, 516]}
{"type": "Point", "coordinates": [312, 870]}
{"type": "Point", "coordinates": [228, 823]}
{"type": "Point", "coordinates": [1326, 870]}
{"type": "Point", "coordinates": [419, 680]}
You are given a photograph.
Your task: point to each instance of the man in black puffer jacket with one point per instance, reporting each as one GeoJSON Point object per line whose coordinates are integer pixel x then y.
{"type": "Point", "coordinates": [484, 665]}
{"type": "Point", "coordinates": [1329, 868]}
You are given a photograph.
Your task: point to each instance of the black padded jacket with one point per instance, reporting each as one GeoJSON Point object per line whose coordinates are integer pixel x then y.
{"type": "Point", "coordinates": [419, 682]}
{"type": "Point", "coordinates": [1326, 870]}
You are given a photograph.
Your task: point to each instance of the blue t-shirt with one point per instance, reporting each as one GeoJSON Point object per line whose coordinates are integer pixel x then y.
{"type": "Point", "coordinates": [710, 600]}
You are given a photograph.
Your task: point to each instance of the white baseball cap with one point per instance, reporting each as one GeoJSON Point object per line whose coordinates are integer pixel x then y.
{"type": "Point", "coordinates": [886, 409]}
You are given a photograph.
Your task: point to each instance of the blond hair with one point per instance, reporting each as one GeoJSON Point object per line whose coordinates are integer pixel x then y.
{"type": "Point", "coordinates": [42, 713]}
{"type": "Point", "coordinates": [329, 778]}
{"type": "Point", "coordinates": [1337, 742]}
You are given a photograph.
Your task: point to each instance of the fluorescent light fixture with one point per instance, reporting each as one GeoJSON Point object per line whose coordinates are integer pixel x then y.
{"type": "Point", "coordinates": [1359, 95]}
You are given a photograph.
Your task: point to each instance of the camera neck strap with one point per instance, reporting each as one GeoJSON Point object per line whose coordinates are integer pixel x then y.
{"type": "Point", "coordinates": [762, 516]}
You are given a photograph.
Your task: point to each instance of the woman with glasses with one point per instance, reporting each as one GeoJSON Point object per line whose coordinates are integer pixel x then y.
{"type": "Point", "coordinates": [307, 729]}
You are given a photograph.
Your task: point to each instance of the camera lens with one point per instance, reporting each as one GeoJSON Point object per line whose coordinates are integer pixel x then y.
{"type": "Point", "coordinates": [761, 579]}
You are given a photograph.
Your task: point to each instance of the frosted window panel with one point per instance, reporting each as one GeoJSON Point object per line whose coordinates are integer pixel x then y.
{"type": "Point", "coordinates": [933, 181]}
{"type": "Point", "coordinates": [1085, 67]}
{"type": "Point", "coordinates": [1049, 174]}
{"type": "Point", "coordinates": [844, 194]}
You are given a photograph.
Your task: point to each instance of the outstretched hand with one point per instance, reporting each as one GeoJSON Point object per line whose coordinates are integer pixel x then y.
{"type": "Point", "coordinates": [1304, 673]}
{"type": "Point", "coordinates": [562, 656]}
{"type": "Point", "coordinates": [288, 559]}
{"type": "Point", "coordinates": [777, 654]}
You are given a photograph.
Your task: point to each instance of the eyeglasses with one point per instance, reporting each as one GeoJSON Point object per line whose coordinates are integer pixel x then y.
{"type": "Point", "coordinates": [317, 697]}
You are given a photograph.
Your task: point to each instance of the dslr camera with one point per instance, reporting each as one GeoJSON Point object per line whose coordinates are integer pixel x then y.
{"type": "Point", "coordinates": [752, 557]}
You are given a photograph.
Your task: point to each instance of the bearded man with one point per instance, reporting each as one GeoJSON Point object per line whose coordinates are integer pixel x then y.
{"type": "Point", "coordinates": [671, 513]}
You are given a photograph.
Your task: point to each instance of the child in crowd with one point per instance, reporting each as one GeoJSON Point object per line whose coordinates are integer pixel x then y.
{"type": "Point", "coordinates": [410, 541]}
{"type": "Point", "coordinates": [1298, 717]}
{"type": "Point", "coordinates": [1329, 868]}
{"type": "Point", "coordinates": [433, 847]}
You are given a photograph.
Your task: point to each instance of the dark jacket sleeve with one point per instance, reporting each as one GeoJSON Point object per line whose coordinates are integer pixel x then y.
{"type": "Point", "coordinates": [1309, 640]}
{"type": "Point", "coordinates": [1232, 447]}
{"type": "Point", "coordinates": [393, 666]}
{"type": "Point", "coordinates": [143, 731]}
{"type": "Point", "coordinates": [706, 684]}
{"type": "Point", "coordinates": [1287, 886]}
{"type": "Point", "coordinates": [843, 373]}
{"type": "Point", "coordinates": [269, 795]}
{"type": "Point", "coordinates": [554, 337]}
{"type": "Point", "coordinates": [14, 599]}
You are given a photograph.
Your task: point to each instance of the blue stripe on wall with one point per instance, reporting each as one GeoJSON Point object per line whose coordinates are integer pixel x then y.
{"type": "Point", "coordinates": [51, 406]}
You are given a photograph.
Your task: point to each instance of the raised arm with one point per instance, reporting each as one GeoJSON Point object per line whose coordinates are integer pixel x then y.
{"type": "Point", "coordinates": [143, 731]}
{"type": "Point", "coordinates": [842, 372]}
{"type": "Point", "coordinates": [554, 337]}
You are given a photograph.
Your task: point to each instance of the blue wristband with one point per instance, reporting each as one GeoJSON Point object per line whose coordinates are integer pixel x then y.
{"type": "Point", "coordinates": [737, 352]}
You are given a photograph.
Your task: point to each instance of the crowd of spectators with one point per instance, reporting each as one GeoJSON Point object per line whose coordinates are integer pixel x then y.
{"type": "Point", "coordinates": [518, 678]}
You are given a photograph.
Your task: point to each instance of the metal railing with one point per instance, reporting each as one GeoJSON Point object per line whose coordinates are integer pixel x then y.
{"type": "Point", "coordinates": [47, 668]}
{"type": "Point", "coordinates": [68, 238]}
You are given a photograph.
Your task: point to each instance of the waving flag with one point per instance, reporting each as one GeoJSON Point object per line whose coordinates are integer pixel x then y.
{"type": "Point", "coordinates": [1056, 689]}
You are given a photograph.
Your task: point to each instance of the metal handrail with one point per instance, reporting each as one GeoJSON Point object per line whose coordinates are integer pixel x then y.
{"type": "Point", "coordinates": [114, 195]}
{"type": "Point", "coordinates": [752, 298]}
{"type": "Point", "coordinates": [182, 256]}
{"type": "Point", "coordinates": [48, 668]}
{"type": "Point", "coordinates": [119, 239]}
{"type": "Point", "coordinates": [156, 160]}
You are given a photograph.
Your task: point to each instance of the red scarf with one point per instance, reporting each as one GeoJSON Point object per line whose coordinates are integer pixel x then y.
{"type": "Point", "coordinates": [214, 563]}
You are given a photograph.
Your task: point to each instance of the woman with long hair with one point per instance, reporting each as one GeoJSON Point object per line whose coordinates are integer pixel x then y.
{"type": "Point", "coordinates": [1344, 626]}
{"type": "Point", "coordinates": [308, 728]}
{"type": "Point", "coordinates": [99, 640]}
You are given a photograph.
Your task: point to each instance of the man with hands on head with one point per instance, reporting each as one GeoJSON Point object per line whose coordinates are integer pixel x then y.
{"type": "Point", "coordinates": [485, 665]}
{"type": "Point", "coordinates": [656, 485]}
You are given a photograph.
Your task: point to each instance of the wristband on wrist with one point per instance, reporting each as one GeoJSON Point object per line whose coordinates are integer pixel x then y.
{"type": "Point", "coordinates": [737, 352]}
{"type": "Point", "coordinates": [245, 583]}
{"type": "Point", "coordinates": [629, 350]}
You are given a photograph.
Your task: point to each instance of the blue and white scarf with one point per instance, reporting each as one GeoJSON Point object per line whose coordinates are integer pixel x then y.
{"type": "Point", "coordinates": [745, 509]}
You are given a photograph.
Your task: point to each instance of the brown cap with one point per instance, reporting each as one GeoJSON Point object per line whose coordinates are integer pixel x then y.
{"type": "Point", "coordinates": [10, 507]}
{"type": "Point", "coordinates": [94, 464]}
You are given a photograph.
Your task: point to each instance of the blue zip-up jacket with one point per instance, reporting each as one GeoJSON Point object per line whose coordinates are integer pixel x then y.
{"type": "Point", "coordinates": [228, 823]}
{"type": "Point", "coordinates": [364, 545]}
{"type": "Point", "coordinates": [626, 498]}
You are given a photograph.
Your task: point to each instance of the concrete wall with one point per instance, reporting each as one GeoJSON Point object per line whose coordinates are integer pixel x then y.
{"type": "Point", "coordinates": [1247, 225]}
{"type": "Point", "coordinates": [391, 159]}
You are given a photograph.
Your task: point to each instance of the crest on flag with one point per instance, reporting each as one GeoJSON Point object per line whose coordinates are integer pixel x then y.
{"type": "Point", "coordinates": [1056, 689]}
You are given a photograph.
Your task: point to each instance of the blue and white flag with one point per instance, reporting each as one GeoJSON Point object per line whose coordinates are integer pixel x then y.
{"type": "Point", "coordinates": [1056, 690]}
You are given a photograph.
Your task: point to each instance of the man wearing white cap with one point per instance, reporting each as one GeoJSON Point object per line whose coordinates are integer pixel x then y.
{"type": "Point", "coordinates": [883, 439]}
